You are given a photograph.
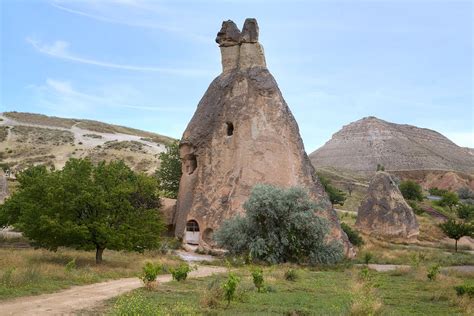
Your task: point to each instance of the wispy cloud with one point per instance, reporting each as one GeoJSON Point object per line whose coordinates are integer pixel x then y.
{"type": "Point", "coordinates": [60, 49]}
{"type": "Point", "coordinates": [155, 14]}
{"type": "Point", "coordinates": [59, 95]}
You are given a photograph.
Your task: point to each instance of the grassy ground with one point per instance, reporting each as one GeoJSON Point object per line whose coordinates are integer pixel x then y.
{"type": "Point", "coordinates": [28, 271]}
{"type": "Point", "coordinates": [329, 292]}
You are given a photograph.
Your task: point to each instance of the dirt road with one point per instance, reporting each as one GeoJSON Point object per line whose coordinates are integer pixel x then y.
{"type": "Point", "coordinates": [86, 296]}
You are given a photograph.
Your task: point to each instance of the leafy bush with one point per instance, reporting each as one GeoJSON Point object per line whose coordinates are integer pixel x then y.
{"type": "Point", "coordinates": [280, 225]}
{"type": "Point", "coordinates": [415, 207]}
{"type": "Point", "coordinates": [229, 286]}
{"type": "Point", "coordinates": [449, 199]}
{"type": "Point", "coordinates": [465, 290]}
{"type": "Point", "coordinates": [181, 272]}
{"type": "Point", "coordinates": [411, 190]}
{"type": "Point", "coordinates": [149, 272]}
{"type": "Point", "coordinates": [437, 192]}
{"type": "Point", "coordinates": [353, 235]}
{"type": "Point", "coordinates": [71, 265]}
{"type": "Point", "coordinates": [465, 211]}
{"type": "Point", "coordinates": [291, 275]}
{"type": "Point", "coordinates": [257, 276]}
{"type": "Point", "coordinates": [433, 272]}
{"type": "Point", "coordinates": [336, 196]}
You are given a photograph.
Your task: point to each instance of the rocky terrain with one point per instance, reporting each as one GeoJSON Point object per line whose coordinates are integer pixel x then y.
{"type": "Point", "coordinates": [405, 150]}
{"type": "Point", "coordinates": [30, 139]}
{"type": "Point", "coordinates": [242, 134]}
{"type": "Point", "coordinates": [384, 211]}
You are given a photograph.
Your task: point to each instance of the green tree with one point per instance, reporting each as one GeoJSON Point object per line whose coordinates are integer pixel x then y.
{"type": "Point", "coordinates": [466, 212]}
{"type": "Point", "coordinates": [279, 225]}
{"type": "Point", "coordinates": [456, 230]}
{"type": "Point", "coordinates": [169, 173]}
{"type": "Point", "coordinates": [449, 199]}
{"type": "Point", "coordinates": [336, 196]}
{"type": "Point", "coordinates": [86, 207]}
{"type": "Point", "coordinates": [411, 190]}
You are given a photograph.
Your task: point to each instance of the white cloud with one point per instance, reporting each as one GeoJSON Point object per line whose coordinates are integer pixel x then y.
{"type": "Point", "coordinates": [59, 49]}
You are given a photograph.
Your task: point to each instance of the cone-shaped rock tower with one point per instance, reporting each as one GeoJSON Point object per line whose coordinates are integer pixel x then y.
{"type": "Point", "coordinates": [242, 134]}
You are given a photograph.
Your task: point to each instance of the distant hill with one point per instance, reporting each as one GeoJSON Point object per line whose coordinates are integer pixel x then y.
{"type": "Point", "coordinates": [30, 139]}
{"type": "Point", "coordinates": [363, 144]}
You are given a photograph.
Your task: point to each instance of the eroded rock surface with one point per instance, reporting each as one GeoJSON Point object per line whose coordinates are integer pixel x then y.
{"type": "Point", "coordinates": [242, 134]}
{"type": "Point", "coordinates": [384, 211]}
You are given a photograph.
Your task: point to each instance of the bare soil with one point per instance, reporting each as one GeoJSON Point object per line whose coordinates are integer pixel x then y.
{"type": "Point", "coordinates": [85, 297]}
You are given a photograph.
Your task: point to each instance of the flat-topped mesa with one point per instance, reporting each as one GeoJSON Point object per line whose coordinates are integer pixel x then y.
{"type": "Point", "coordinates": [240, 50]}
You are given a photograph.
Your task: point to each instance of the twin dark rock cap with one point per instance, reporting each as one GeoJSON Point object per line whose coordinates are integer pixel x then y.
{"type": "Point", "coordinates": [230, 35]}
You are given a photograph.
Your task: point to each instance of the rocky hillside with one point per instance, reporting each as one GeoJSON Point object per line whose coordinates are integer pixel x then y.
{"type": "Point", "coordinates": [31, 139]}
{"type": "Point", "coordinates": [361, 145]}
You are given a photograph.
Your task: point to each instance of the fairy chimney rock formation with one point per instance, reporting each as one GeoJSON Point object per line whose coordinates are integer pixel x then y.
{"type": "Point", "coordinates": [384, 212]}
{"type": "Point", "coordinates": [240, 49]}
{"type": "Point", "coordinates": [242, 134]}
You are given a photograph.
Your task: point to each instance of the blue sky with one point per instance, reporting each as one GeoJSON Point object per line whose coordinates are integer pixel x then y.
{"type": "Point", "coordinates": [146, 64]}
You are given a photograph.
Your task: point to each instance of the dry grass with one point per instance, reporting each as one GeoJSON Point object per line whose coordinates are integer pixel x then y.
{"type": "Point", "coordinates": [29, 271]}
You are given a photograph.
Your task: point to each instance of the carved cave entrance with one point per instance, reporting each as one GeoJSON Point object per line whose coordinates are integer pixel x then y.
{"type": "Point", "coordinates": [192, 232]}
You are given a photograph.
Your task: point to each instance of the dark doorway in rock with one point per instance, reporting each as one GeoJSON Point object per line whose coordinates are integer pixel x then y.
{"type": "Point", "coordinates": [230, 129]}
{"type": "Point", "coordinates": [192, 232]}
{"type": "Point", "coordinates": [190, 163]}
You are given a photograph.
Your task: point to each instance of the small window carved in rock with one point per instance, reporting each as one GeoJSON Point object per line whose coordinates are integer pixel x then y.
{"type": "Point", "coordinates": [230, 129]}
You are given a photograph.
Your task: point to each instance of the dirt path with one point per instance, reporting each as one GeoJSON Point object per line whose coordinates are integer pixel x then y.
{"type": "Point", "coordinates": [86, 296]}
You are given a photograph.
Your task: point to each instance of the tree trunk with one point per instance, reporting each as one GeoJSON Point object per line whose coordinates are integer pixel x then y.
{"type": "Point", "coordinates": [456, 245]}
{"type": "Point", "coordinates": [98, 255]}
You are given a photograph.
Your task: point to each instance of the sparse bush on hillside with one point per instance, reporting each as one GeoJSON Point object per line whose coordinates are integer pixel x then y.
{"type": "Point", "coordinates": [336, 196]}
{"type": "Point", "coordinates": [279, 225]}
{"type": "Point", "coordinates": [353, 235]}
{"type": "Point", "coordinates": [466, 212]}
{"type": "Point", "coordinates": [411, 190]}
{"type": "Point", "coordinates": [449, 199]}
{"type": "Point", "coordinates": [415, 207]}
{"type": "Point", "coordinates": [436, 191]}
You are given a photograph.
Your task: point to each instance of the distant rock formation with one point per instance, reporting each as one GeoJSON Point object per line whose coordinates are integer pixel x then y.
{"type": "Point", "coordinates": [384, 212]}
{"type": "Point", "coordinates": [242, 134]}
{"type": "Point", "coordinates": [360, 146]}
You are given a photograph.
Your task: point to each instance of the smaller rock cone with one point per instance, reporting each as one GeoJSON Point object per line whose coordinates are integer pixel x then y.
{"type": "Point", "coordinates": [384, 212]}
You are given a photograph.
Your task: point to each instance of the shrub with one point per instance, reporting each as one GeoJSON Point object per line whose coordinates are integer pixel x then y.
{"type": "Point", "coordinates": [149, 273]}
{"type": "Point", "coordinates": [368, 256]}
{"type": "Point", "coordinates": [353, 235]}
{"type": "Point", "coordinates": [279, 225]}
{"type": "Point", "coordinates": [465, 211]}
{"type": "Point", "coordinates": [449, 199]}
{"type": "Point", "coordinates": [181, 272]}
{"type": "Point", "coordinates": [336, 196]}
{"type": "Point", "coordinates": [465, 290]}
{"type": "Point", "coordinates": [71, 265]}
{"type": "Point", "coordinates": [411, 190]}
{"type": "Point", "coordinates": [465, 193]}
{"type": "Point", "coordinates": [229, 287]}
{"type": "Point", "coordinates": [291, 275]}
{"type": "Point", "coordinates": [437, 192]}
{"type": "Point", "coordinates": [433, 272]}
{"type": "Point", "coordinates": [257, 276]}
{"type": "Point", "coordinates": [415, 207]}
